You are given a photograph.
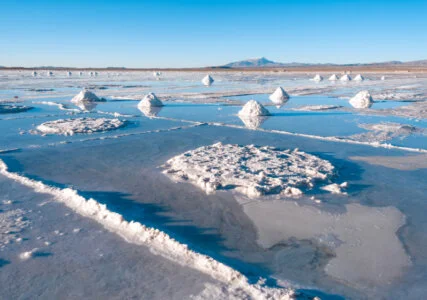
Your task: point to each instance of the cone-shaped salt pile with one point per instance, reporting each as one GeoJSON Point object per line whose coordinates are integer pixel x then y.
{"type": "Point", "coordinates": [253, 109]}
{"type": "Point", "coordinates": [345, 78]}
{"type": "Point", "coordinates": [80, 73]}
{"type": "Point", "coordinates": [34, 74]}
{"type": "Point", "coordinates": [85, 95]}
{"type": "Point", "coordinates": [207, 80]}
{"type": "Point", "coordinates": [49, 73]}
{"type": "Point", "coordinates": [156, 74]}
{"type": "Point", "coordinates": [279, 96]}
{"type": "Point", "coordinates": [359, 78]}
{"type": "Point", "coordinates": [382, 77]}
{"type": "Point", "coordinates": [318, 77]}
{"type": "Point", "coordinates": [333, 77]}
{"type": "Point", "coordinates": [69, 74]}
{"type": "Point", "coordinates": [150, 100]}
{"type": "Point", "coordinates": [362, 99]}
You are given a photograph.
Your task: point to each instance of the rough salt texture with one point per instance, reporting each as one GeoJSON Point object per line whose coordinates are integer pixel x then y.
{"type": "Point", "coordinates": [279, 96]}
{"type": "Point", "coordinates": [251, 170]}
{"type": "Point", "coordinates": [79, 125]}
{"type": "Point", "coordinates": [386, 131]}
{"type": "Point", "coordinates": [362, 99]}
{"type": "Point", "coordinates": [150, 100]}
{"type": "Point", "coordinates": [207, 80]}
{"type": "Point", "coordinates": [253, 109]}
{"type": "Point", "coordinates": [85, 95]}
{"type": "Point", "coordinates": [12, 222]}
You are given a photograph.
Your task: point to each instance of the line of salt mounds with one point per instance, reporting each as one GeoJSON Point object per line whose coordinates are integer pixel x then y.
{"type": "Point", "coordinates": [85, 95]}
{"type": "Point", "coordinates": [150, 100]}
{"type": "Point", "coordinates": [159, 242]}
{"type": "Point", "coordinates": [363, 99]}
{"type": "Point", "coordinates": [251, 170]}
{"type": "Point", "coordinates": [253, 109]}
{"type": "Point", "coordinates": [318, 77]}
{"type": "Point", "coordinates": [207, 80]}
{"type": "Point", "coordinates": [279, 96]}
{"type": "Point", "coordinates": [333, 77]}
{"type": "Point", "coordinates": [345, 77]}
{"type": "Point", "coordinates": [79, 125]}
{"type": "Point", "coordinates": [359, 78]}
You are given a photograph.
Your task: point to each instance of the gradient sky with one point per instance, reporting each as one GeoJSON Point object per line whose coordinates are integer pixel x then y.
{"type": "Point", "coordinates": [204, 33]}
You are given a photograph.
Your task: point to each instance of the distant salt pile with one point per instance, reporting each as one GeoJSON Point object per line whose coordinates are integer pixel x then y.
{"type": "Point", "coordinates": [333, 77]}
{"type": "Point", "coordinates": [279, 96]}
{"type": "Point", "coordinates": [49, 73]}
{"type": "Point", "coordinates": [79, 125]}
{"type": "Point", "coordinates": [359, 78]}
{"type": "Point", "coordinates": [34, 74]}
{"type": "Point", "coordinates": [28, 254]}
{"type": "Point", "coordinates": [69, 74]}
{"type": "Point", "coordinates": [345, 77]}
{"type": "Point", "coordinates": [362, 99]}
{"type": "Point", "coordinates": [150, 100]}
{"type": "Point", "coordinates": [85, 95]}
{"type": "Point", "coordinates": [91, 74]}
{"type": "Point", "coordinates": [318, 77]}
{"type": "Point", "coordinates": [251, 170]}
{"type": "Point", "coordinates": [96, 73]}
{"type": "Point", "coordinates": [80, 73]}
{"type": "Point", "coordinates": [253, 109]}
{"type": "Point", "coordinates": [382, 77]}
{"type": "Point", "coordinates": [207, 80]}
{"type": "Point", "coordinates": [156, 74]}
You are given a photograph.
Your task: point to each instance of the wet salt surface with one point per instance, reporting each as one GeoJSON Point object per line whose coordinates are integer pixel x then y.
{"type": "Point", "coordinates": [223, 226]}
{"type": "Point", "coordinates": [253, 236]}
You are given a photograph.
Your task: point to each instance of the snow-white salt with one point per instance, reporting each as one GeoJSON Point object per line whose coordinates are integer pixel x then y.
{"type": "Point", "coordinates": [253, 109]}
{"type": "Point", "coordinates": [207, 80]}
{"type": "Point", "coordinates": [362, 99]}
{"type": "Point", "coordinates": [279, 96]}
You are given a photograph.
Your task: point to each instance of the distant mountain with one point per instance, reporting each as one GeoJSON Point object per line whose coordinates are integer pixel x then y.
{"type": "Point", "coordinates": [254, 63]}
{"type": "Point", "coordinates": [266, 63]}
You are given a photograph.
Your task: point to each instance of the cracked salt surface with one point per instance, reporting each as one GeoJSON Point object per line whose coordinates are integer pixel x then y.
{"type": "Point", "coordinates": [251, 170]}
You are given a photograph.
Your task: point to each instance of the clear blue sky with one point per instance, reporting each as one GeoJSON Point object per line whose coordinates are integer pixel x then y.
{"type": "Point", "coordinates": [202, 33]}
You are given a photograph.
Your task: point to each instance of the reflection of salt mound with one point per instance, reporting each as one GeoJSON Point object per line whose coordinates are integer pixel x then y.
{"type": "Point", "coordinates": [279, 96]}
{"type": "Point", "coordinates": [318, 77]}
{"type": "Point", "coordinates": [362, 99]}
{"type": "Point", "coordinates": [85, 95]}
{"type": "Point", "coordinates": [150, 100]}
{"type": "Point", "coordinates": [79, 125]}
{"type": "Point", "coordinates": [251, 170]}
{"type": "Point", "coordinates": [333, 77]}
{"type": "Point", "coordinates": [86, 105]}
{"type": "Point", "coordinates": [207, 80]}
{"type": "Point", "coordinates": [345, 78]}
{"type": "Point", "coordinates": [150, 111]}
{"type": "Point", "coordinates": [359, 78]}
{"type": "Point", "coordinates": [253, 109]}
{"type": "Point", "coordinates": [253, 122]}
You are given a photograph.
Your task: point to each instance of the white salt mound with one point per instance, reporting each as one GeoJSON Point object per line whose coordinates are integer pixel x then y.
{"type": "Point", "coordinates": [251, 170]}
{"type": "Point", "coordinates": [333, 77]}
{"type": "Point", "coordinates": [318, 77]}
{"type": "Point", "coordinates": [49, 73]}
{"type": "Point", "coordinates": [359, 78]}
{"type": "Point", "coordinates": [28, 254]}
{"type": "Point", "coordinates": [34, 74]}
{"type": "Point", "coordinates": [345, 78]}
{"type": "Point", "coordinates": [382, 77]}
{"type": "Point", "coordinates": [69, 74]}
{"type": "Point", "coordinates": [362, 99]}
{"type": "Point", "coordinates": [207, 80]}
{"type": "Point", "coordinates": [85, 95]}
{"type": "Point", "coordinates": [150, 100]}
{"type": "Point", "coordinates": [279, 96]}
{"type": "Point", "coordinates": [253, 109]}
{"type": "Point", "coordinates": [156, 74]}
{"type": "Point", "coordinates": [79, 125]}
